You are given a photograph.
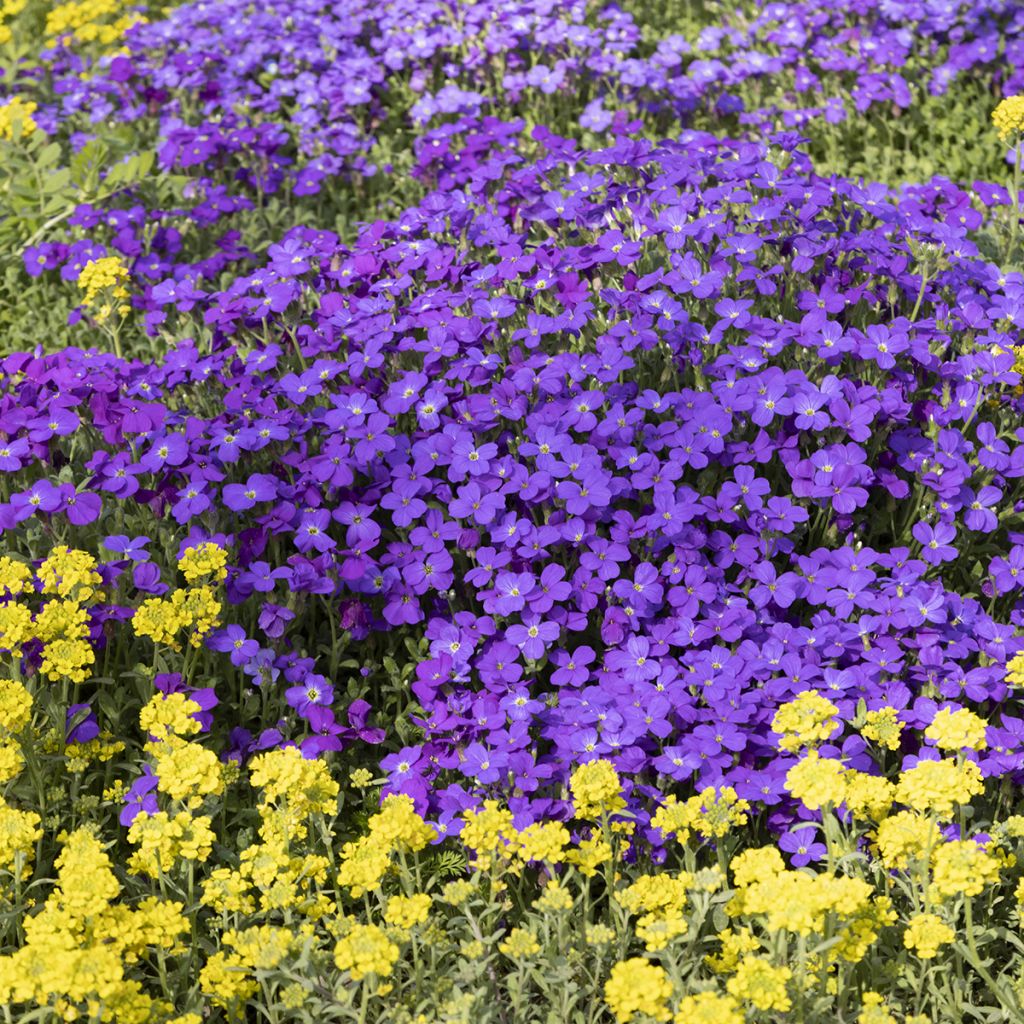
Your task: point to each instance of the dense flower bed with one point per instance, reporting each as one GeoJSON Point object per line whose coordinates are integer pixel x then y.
{"type": "Point", "coordinates": [582, 584]}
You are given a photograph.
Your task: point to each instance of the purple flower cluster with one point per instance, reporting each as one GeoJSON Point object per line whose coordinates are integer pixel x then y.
{"type": "Point", "coordinates": [624, 447]}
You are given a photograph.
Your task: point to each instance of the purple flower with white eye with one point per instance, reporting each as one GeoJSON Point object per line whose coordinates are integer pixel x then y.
{"type": "Point", "coordinates": [644, 591]}
{"type": "Point", "coordinates": [473, 502]}
{"type": "Point", "coordinates": [42, 496]}
{"type": "Point", "coordinates": [935, 541]}
{"type": "Point", "coordinates": [533, 636]}
{"type": "Point", "coordinates": [802, 846]}
{"type": "Point", "coordinates": [486, 766]}
{"type": "Point", "coordinates": [311, 534]}
{"type": "Point", "coordinates": [404, 503]}
{"type": "Point", "coordinates": [233, 641]}
{"type": "Point", "coordinates": [403, 765]}
{"type": "Point", "coordinates": [510, 592]}
{"type": "Point", "coordinates": [259, 487]}
{"type": "Point", "coordinates": [978, 513]}
{"type": "Point", "coordinates": [140, 797]}
{"type": "Point", "coordinates": [469, 457]}
{"type": "Point", "coordinates": [313, 690]}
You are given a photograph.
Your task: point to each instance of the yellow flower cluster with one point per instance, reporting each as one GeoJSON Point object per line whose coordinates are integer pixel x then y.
{"type": "Point", "coordinates": [660, 902]}
{"type": "Point", "coordinates": [711, 814]}
{"type": "Point", "coordinates": [817, 781]}
{"type": "Point", "coordinates": [19, 831]}
{"type": "Point", "coordinates": [926, 934]}
{"type": "Point", "coordinates": [195, 609]}
{"type": "Point", "coordinates": [638, 986]}
{"type": "Point", "coordinates": [519, 944]}
{"type": "Point", "coordinates": [9, 10]}
{"type": "Point", "coordinates": [169, 714]}
{"type": "Point", "coordinates": [188, 772]}
{"type": "Point", "coordinates": [405, 912]}
{"type": "Point", "coordinates": [103, 282]}
{"type": "Point", "coordinates": [15, 577]}
{"type": "Point", "coordinates": [957, 730]}
{"type": "Point", "coordinates": [366, 949]}
{"type": "Point", "coordinates": [883, 726]}
{"type": "Point", "coordinates": [962, 868]}
{"type": "Point", "coordinates": [164, 839]}
{"type": "Point", "coordinates": [1008, 118]}
{"type": "Point", "coordinates": [204, 560]}
{"type": "Point", "coordinates": [15, 708]}
{"type": "Point", "coordinates": [61, 624]}
{"type": "Point", "coordinates": [304, 784]}
{"type": "Point", "coordinates": [79, 948]}
{"type": "Point", "coordinates": [89, 21]}
{"type": "Point", "coordinates": [938, 786]}
{"type": "Point", "coordinates": [596, 789]}
{"type": "Point", "coordinates": [761, 984]}
{"type": "Point", "coordinates": [16, 120]}
{"type": "Point", "coordinates": [70, 574]}
{"type": "Point", "coordinates": [806, 721]}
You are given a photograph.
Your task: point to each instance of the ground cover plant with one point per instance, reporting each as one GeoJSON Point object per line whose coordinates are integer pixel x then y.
{"type": "Point", "coordinates": [512, 512]}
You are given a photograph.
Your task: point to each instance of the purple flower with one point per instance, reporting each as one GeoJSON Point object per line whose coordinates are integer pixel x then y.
{"type": "Point", "coordinates": [801, 845]}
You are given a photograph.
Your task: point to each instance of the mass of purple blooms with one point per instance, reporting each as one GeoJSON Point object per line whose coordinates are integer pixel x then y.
{"type": "Point", "coordinates": [607, 446]}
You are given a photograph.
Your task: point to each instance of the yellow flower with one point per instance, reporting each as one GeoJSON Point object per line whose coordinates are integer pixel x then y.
{"type": "Point", "coordinates": [69, 573]}
{"type": "Point", "coordinates": [104, 279]}
{"type": "Point", "coordinates": [761, 984]}
{"type": "Point", "coordinates": [226, 980]}
{"type": "Point", "coordinates": [816, 781]}
{"type": "Point", "coordinates": [938, 786]}
{"type": "Point", "coordinates": [407, 911]}
{"type": "Point", "coordinates": [489, 832]}
{"type": "Point", "coordinates": [590, 854]}
{"type": "Point", "coordinates": [187, 771]}
{"type": "Point", "coordinates": [709, 1008]}
{"type": "Point", "coordinates": [304, 783]}
{"type": "Point", "coordinates": [11, 762]}
{"type": "Point", "coordinates": [756, 864]}
{"type": "Point", "coordinates": [962, 868]}
{"type": "Point", "coordinates": [656, 931]}
{"type": "Point", "coordinates": [905, 836]}
{"type": "Point", "coordinates": [957, 730]}
{"type": "Point", "coordinates": [926, 933]}
{"type": "Point", "coordinates": [519, 944]}
{"type": "Point", "coordinates": [873, 1010]}
{"type": "Point", "coordinates": [659, 892]}
{"type": "Point", "coordinates": [596, 789]}
{"type": "Point", "coordinates": [1008, 117]}
{"type": "Point", "coordinates": [16, 627]}
{"type": "Point", "coordinates": [16, 119]}
{"type": "Point", "coordinates": [15, 577]}
{"type": "Point", "coordinates": [205, 559]}
{"type": "Point", "coordinates": [883, 727]}
{"type": "Point", "coordinates": [19, 831]}
{"type": "Point", "coordinates": [555, 897]}
{"type": "Point", "coordinates": [167, 714]}
{"type": "Point", "coordinates": [15, 706]}
{"type": "Point", "coordinates": [868, 796]}
{"type": "Point", "coordinates": [638, 986]}
{"type": "Point", "coordinates": [458, 892]}
{"type": "Point", "coordinates": [598, 934]}
{"type": "Point", "coordinates": [805, 721]}
{"type": "Point", "coordinates": [543, 841]}
{"type": "Point", "coordinates": [366, 949]}
{"type": "Point", "coordinates": [1015, 666]}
